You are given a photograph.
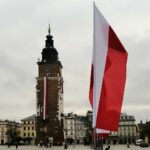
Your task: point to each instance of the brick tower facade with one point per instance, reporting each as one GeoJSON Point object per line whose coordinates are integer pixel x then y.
{"type": "Point", "coordinates": [49, 67]}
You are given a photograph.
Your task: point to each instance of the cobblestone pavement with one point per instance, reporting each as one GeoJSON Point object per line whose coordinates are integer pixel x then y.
{"type": "Point", "coordinates": [78, 147]}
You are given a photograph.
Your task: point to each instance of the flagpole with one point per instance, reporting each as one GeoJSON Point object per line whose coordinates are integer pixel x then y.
{"type": "Point", "coordinates": [94, 111]}
{"type": "Point", "coordinates": [102, 143]}
{"type": "Point", "coordinates": [95, 148]}
{"type": "Point", "coordinates": [97, 145]}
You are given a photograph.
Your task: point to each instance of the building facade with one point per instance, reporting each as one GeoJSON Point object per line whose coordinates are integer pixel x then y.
{"type": "Point", "coordinates": [127, 130]}
{"type": "Point", "coordinates": [81, 128]}
{"type": "Point", "coordinates": [28, 128]}
{"type": "Point", "coordinates": [144, 131]}
{"type": "Point", "coordinates": [74, 128]}
{"type": "Point", "coordinates": [49, 67]}
{"type": "Point", "coordinates": [89, 116]}
{"type": "Point", "coordinates": [69, 127]}
{"type": "Point", "coordinates": [9, 131]}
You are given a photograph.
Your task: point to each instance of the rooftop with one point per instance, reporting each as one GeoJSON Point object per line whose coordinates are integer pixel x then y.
{"type": "Point", "coordinates": [29, 118]}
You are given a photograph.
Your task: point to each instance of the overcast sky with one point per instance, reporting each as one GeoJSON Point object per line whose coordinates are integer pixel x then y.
{"type": "Point", "coordinates": [23, 27]}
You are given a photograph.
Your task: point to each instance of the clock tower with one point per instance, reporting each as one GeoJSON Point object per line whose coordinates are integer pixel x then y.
{"type": "Point", "coordinates": [49, 95]}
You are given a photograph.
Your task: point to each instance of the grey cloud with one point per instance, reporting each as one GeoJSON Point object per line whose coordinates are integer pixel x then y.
{"type": "Point", "coordinates": [23, 30]}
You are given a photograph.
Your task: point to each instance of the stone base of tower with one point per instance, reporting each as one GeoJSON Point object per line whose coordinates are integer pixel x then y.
{"type": "Point", "coordinates": [49, 129]}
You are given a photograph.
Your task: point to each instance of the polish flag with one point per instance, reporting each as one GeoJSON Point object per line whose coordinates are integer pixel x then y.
{"type": "Point", "coordinates": [45, 99]}
{"type": "Point", "coordinates": [108, 76]}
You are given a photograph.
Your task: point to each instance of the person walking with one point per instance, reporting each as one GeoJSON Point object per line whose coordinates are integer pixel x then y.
{"type": "Point", "coordinates": [65, 145]}
{"type": "Point", "coordinates": [16, 145]}
{"type": "Point", "coordinates": [107, 147]}
{"type": "Point", "coordinates": [50, 143]}
{"type": "Point", "coordinates": [8, 145]}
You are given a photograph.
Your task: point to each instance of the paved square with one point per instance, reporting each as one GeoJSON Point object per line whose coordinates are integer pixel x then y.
{"type": "Point", "coordinates": [71, 147]}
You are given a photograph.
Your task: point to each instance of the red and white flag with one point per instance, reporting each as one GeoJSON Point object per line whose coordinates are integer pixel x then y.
{"type": "Point", "coordinates": [45, 99]}
{"type": "Point", "coordinates": [108, 75]}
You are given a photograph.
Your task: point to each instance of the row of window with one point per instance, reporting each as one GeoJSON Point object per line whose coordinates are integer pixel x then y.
{"type": "Point", "coordinates": [77, 134]}
{"type": "Point", "coordinates": [127, 134]}
{"type": "Point", "coordinates": [73, 128]}
{"type": "Point", "coordinates": [29, 134]}
{"type": "Point", "coordinates": [127, 123]}
{"type": "Point", "coordinates": [127, 117]}
{"type": "Point", "coordinates": [127, 129]}
{"type": "Point", "coordinates": [28, 122]}
{"type": "Point", "coordinates": [6, 128]}
{"type": "Point", "coordinates": [124, 133]}
{"type": "Point", "coordinates": [29, 128]}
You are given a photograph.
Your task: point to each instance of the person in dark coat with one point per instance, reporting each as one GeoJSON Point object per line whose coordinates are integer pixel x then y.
{"type": "Point", "coordinates": [16, 145]}
{"type": "Point", "coordinates": [65, 145]}
{"type": "Point", "coordinates": [107, 148]}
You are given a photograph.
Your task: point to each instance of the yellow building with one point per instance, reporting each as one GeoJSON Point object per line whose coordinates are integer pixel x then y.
{"type": "Point", "coordinates": [28, 128]}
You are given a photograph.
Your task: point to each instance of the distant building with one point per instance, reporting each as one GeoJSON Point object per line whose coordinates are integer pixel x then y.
{"type": "Point", "coordinates": [80, 128]}
{"type": "Point", "coordinates": [127, 132]}
{"type": "Point", "coordinates": [144, 131]}
{"type": "Point", "coordinates": [69, 127]}
{"type": "Point", "coordinates": [89, 116]}
{"type": "Point", "coordinates": [74, 128]}
{"type": "Point", "coordinates": [28, 128]}
{"type": "Point", "coordinates": [9, 131]}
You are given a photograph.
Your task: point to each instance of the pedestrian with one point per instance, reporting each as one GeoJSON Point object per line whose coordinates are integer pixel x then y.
{"type": "Point", "coordinates": [16, 145]}
{"type": "Point", "coordinates": [8, 145]}
{"type": "Point", "coordinates": [65, 145]}
{"type": "Point", "coordinates": [50, 143]}
{"type": "Point", "coordinates": [107, 147]}
{"type": "Point", "coordinates": [128, 145]}
{"type": "Point", "coordinates": [41, 143]}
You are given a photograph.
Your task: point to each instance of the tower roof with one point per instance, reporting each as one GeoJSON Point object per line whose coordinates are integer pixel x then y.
{"type": "Point", "coordinates": [49, 53]}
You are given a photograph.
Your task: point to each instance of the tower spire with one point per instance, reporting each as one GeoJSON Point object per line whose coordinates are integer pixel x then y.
{"type": "Point", "coordinates": [49, 40]}
{"type": "Point", "coordinates": [49, 53]}
{"type": "Point", "coordinates": [49, 29]}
